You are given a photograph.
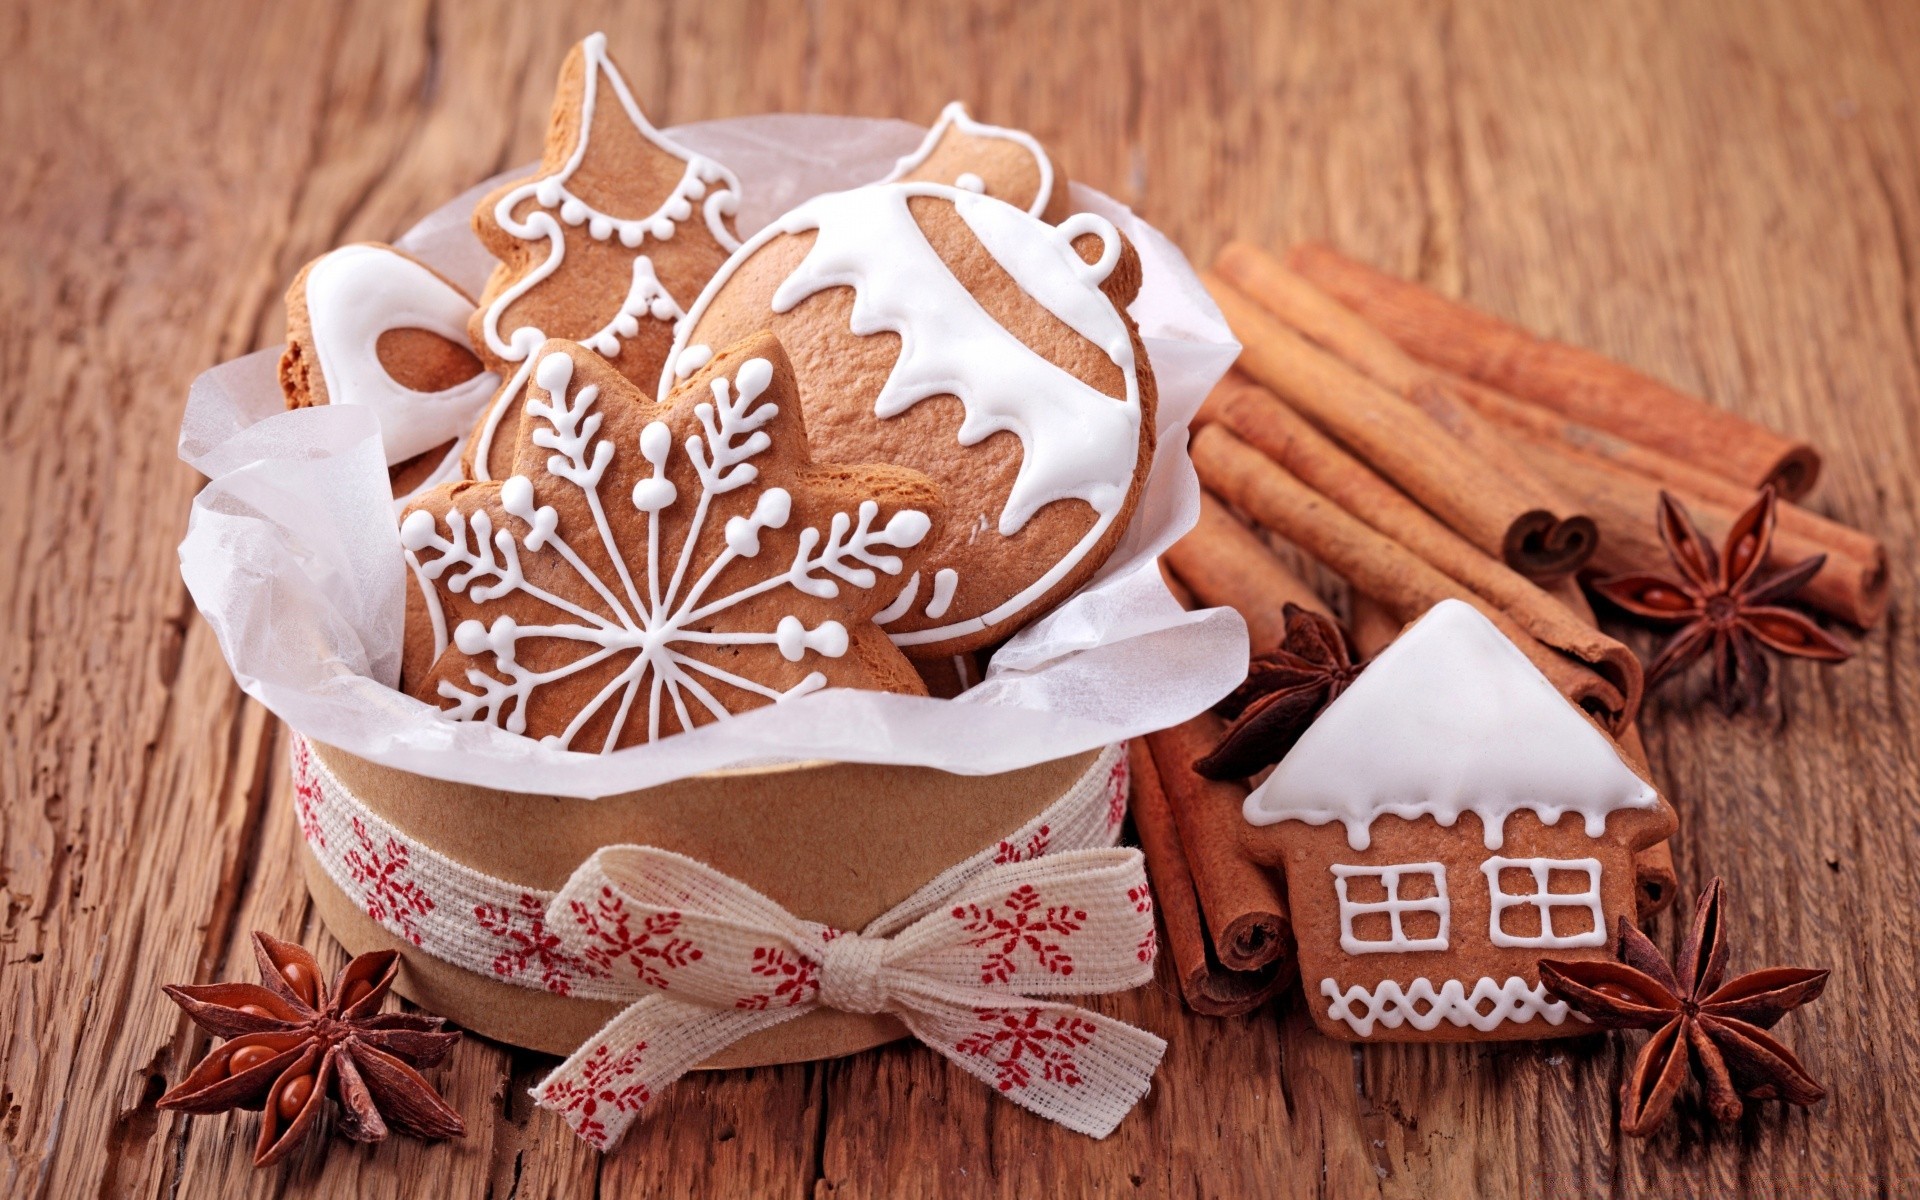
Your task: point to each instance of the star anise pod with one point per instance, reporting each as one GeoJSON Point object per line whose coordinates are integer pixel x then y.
{"type": "Point", "coordinates": [1284, 691]}
{"type": "Point", "coordinates": [1724, 605]}
{"type": "Point", "coordinates": [1717, 1028]}
{"type": "Point", "coordinates": [293, 1041]}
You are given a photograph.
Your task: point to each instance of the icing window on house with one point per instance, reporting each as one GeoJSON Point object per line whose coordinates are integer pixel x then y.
{"type": "Point", "coordinates": [1532, 905]}
{"type": "Point", "coordinates": [1392, 910]}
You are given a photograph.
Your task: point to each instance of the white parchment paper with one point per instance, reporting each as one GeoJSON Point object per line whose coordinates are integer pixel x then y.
{"type": "Point", "coordinates": [293, 557]}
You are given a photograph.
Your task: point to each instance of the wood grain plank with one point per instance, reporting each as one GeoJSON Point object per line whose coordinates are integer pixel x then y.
{"type": "Point", "coordinates": [1723, 192]}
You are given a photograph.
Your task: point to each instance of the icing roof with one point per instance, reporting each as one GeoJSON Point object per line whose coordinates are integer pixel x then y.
{"type": "Point", "coordinates": [1451, 718]}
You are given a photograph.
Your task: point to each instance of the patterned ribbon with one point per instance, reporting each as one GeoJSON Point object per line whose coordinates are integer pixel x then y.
{"type": "Point", "coordinates": [970, 963]}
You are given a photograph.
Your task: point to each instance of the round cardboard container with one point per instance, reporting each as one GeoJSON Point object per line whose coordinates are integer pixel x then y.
{"type": "Point", "coordinates": [838, 843]}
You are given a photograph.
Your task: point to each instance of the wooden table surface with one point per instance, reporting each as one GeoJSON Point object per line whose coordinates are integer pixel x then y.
{"type": "Point", "coordinates": [1726, 193]}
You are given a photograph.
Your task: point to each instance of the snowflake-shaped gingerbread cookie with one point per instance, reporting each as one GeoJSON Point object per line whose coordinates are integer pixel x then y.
{"type": "Point", "coordinates": [648, 568]}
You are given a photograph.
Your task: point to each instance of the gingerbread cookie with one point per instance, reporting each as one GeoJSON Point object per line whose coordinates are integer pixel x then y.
{"type": "Point", "coordinates": [648, 568]}
{"type": "Point", "coordinates": [1448, 821]}
{"type": "Point", "coordinates": [370, 325]}
{"type": "Point", "coordinates": [1007, 164]}
{"type": "Point", "coordinates": [605, 246]}
{"type": "Point", "coordinates": [939, 329]}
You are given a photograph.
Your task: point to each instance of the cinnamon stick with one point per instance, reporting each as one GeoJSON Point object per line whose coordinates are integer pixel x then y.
{"type": "Point", "coordinates": [1865, 556]}
{"type": "Point", "coordinates": [1226, 565]}
{"type": "Point", "coordinates": [1208, 988]}
{"type": "Point", "coordinates": [1260, 419]}
{"type": "Point", "coordinates": [1373, 562]}
{"type": "Point", "coordinates": [1578, 383]}
{"type": "Point", "coordinates": [1246, 915]}
{"type": "Point", "coordinates": [1549, 546]}
{"type": "Point", "coordinates": [1396, 438]}
{"type": "Point", "coordinates": [1373, 626]}
{"type": "Point", "coordinates": [1625, 503]}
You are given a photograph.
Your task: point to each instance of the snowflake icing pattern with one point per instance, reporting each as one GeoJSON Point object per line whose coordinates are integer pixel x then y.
{"type": "Point", "coordinates": [665, 618]}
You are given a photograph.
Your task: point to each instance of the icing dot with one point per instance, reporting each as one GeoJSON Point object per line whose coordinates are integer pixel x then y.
{"type": "Point", "coordinates": [907, 527]}
{"type": "Point", "coordinates": [753, 377]}
{"type": "Point", "coordinates": [656, 441]}
{"type": "Point", "coordinates": [554, 372]}
{"type": "Point", "coordinates": [791, 636]}
{"type": "Point", "coordinates": [968, 181]}
{"type": "Point", "coordinates": [471, 637]}
{"type": "Point", "coordinates": [417, 530]}
{"type": "Point", "coordinates": [652, 495]}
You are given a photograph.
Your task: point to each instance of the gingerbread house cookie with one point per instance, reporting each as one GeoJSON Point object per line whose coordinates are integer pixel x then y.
{"type": "Point", "coordinates": [944, 330]}
{"type": "Point", "coordinates": [606, 245]}
{"type": "Point", "coordinates": [1447, 822]}
{"type": "Point", "coordinates": [371, 325]}
{"type": "Point", "coordinates": [649, 568]}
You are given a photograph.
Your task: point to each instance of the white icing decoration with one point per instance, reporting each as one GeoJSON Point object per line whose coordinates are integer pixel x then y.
{"type": "Point", "coordinates": [357, 293]}
{"type": "Point", "coordinates": [945, 580]}
{"type": "Point", "coordinates": [691, 359]}
{"type": "Point", "coordinates": [1076, 441]}
{"type": "Point", "coordinates": [486, 561]}
{"type": "Point", "coordinates": [1544, 902]}
{"type": "Point", "coordinates": [1451, 718]}
{"type": "Point", "coordinates": [963, 670]}
{"type": "Point", "coordinates": [1388, 1004]}
{"type": "Point", "coordinates": [954, 116]}
{"type": "Point", "coordinates": [902, 604]}
{"type": "Point", "coordinates": [1389, 879]}
{"type": "Point", "coordinates": [647, 297]}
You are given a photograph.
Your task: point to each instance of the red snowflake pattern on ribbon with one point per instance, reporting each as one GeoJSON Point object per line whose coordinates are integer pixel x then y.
{"type": "Point", "coordinates": [1142, 898]}
{"type": "Point", "coordinates": [307, 796]}
{"type": "Point", "coordinates": [529, 943]}
{"type": "Point", "coordinates": [1023, 923]}
{"type": "Point", "coordinates": [1032, 848]}
{"type": "Point", "coordinates": [391, 897]}
{"type": "Point", "coordinates": [799, 979]}
{"type": "Point", "coordinates": [651, 952]}
{"type": "Point", "coordinates": [1019, 1041]}
{"type": "Point", "coordinates": [602, 1083]}
{"type": "Point", "coordinates": [1117, 779]}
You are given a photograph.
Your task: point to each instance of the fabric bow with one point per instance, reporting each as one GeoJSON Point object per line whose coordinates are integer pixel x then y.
{"type": "Point", "coordinates": [970, 970]}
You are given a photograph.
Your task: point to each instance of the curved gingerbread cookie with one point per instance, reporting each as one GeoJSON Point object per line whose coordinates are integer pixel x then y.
{"type": "Point", "coordinates": [370, 325]}
{"type": "Point", "coordinates": [1007, 164]}
{"type": "Point", "coordinates": [605, 246]}
{"type": "Point", "coordinates": [650, 568]}
{"type": "Point", "coordinates": [939, 329]}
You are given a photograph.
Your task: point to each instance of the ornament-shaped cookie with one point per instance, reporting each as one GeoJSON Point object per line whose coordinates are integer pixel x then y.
{"type": "Point", "coordinates": [648, 568]}
{"type": "Point", "coordinates": [943, 330]}
{"type": "Point", "coordinates": [1007, 164]}
{"type": "Point", "coordinates": [605, 246]}
{"type": "Point", "coordinates": [371, 325]}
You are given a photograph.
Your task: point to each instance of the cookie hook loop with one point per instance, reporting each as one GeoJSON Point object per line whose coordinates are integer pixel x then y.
{"type": "Point", "coordinates": [1095, 272]}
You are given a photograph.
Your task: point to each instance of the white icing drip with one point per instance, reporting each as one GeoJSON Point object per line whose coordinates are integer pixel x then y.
{"type": "Point", "coordinates": [647, 297]}
{"type": "Point", "coordinates": [945, 580]}
{"type": "Point", "coordinates": [1451, 718]}
{"type": "Point", "coordinates": [357, 293]}
{"type": "Point", "coordinates": [902, 604]}
{"type": "Point", "coordinates": [1393, 906]}
{"type": "Point", "coordinates": [1388, 1004]}
{"type": "Point", "coordinates": [486, 562]}
{"type": "Point", "coordinates": [1544, 902]}
{"type": "Point", "coordinates": [1077, 442]}
{"type": "Point", "coordinates": [954, 116]}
